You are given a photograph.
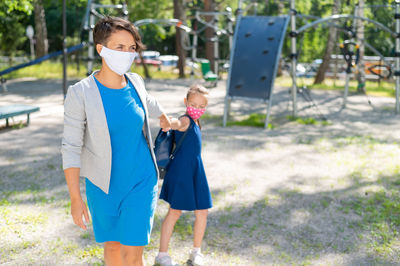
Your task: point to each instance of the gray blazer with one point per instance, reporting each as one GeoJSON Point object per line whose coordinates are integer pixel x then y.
{"type": "Point", "coordinates": [86, 141]}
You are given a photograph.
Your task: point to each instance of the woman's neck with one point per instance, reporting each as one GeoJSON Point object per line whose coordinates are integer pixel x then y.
{"type": "Point", "coordinates": [110, 79]}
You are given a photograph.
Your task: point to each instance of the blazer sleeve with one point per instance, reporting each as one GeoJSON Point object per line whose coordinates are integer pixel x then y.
{"type": "Point", "coordinates": [153, 106]}
{"type": "Point", "coordinates": [74, 128]}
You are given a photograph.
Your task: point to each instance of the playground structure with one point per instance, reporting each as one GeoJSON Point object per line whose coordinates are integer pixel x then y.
{"type": "Point", "coordinates": [218, 31]}
{"type": "Point", "coordinates": [92, 13]}
{"type": "Point", "coordinates": [241, 80]}
{"type": "Point", "coordinates": [328, 22]}
{"type": "Point", "coordinates": [258, 42]}
{"type": "Point", "coordinates": [265, 90]}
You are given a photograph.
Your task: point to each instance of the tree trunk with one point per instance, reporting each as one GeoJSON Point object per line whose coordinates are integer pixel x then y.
{"type": "Point", "coordinates": [281, 6]}
{"type": "Point", "coordinates": [319, 78]}
{"type": "Point", "coordinates": [179, 13]}
{"type": "Point", "coordinates": [360, 40]}
{"type": "Point", "coordinates": [209, 6]}
{"type": "Point", "coordinates": [42, 45]}
{"type": "Point", "coordinates": [145, 68]}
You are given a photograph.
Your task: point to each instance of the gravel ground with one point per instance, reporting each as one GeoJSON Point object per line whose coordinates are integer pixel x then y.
{"type": "Point", "coordinates": [295, 195]}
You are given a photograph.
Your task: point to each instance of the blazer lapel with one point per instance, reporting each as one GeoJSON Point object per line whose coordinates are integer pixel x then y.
{"type": "Point", "coordinates": [142, 96]}
{"type": "Point", "coordinates": [95, 110]}
{"type": "Point", "coordinates": [140, 91]}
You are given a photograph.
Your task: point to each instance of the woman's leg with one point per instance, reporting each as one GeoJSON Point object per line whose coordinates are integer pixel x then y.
{"type": "Point", "coordinates": [200, 225]}
{"type": "Point", "coordinates": [132, 255]}
{"type": "Point", "coordinates": [168, 227]}
{"type": "Point", "coordinates": [112, 253]}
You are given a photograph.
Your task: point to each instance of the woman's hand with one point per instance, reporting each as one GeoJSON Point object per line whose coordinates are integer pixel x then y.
{"type": "Point", "coordinates": [78, 206]}
{"type": "Point", "coordinates": [165, 122]}
{"type": "Point", "coordinates": [79, 209]}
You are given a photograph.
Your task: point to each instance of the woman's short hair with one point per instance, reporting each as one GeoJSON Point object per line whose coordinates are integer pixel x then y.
{"type": "Point", "coordinates": [108, 25]}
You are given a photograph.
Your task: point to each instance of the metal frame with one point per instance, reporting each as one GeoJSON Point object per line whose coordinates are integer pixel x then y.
{"type": "Point", "coordinates": [228, 99]}
{"type": "Point", "coordinates": [395, 34]}
{"type": "Point", "coordinates": [218, 31]}
{"type": "Point", "coordinates": [168, 22]}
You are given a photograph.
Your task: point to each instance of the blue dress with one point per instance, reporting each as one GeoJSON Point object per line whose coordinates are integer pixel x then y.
{"type": "Point", "coordinates": [185, 185]}
{"type": "Point", "coordinates": [126, 213]}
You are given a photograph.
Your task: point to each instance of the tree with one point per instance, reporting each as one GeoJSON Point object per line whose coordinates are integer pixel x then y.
{"type": "Point", "coordinates": [281, 7]}
{"type": "Point", "coordinates": [329, 47]}
{"type": "Point", "coordinates": [42, 44]}
{"type": "Point", "coordinates": [14, 17]}
{"type": "Point", "coordinates": [179, 13]}
{"type": "Point", "coordinates": [208, 7]}
{"type": "Point", "coordinates": [360, 40]}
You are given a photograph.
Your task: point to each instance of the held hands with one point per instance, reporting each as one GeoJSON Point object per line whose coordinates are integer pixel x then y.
{"type": "Point", "coordinates": [79, 209]}
{"type": "Point", "coordinates": [165, 122]}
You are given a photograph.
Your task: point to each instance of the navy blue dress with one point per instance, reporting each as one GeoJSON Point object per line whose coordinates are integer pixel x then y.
{"type": "Point", "coordinates": [185, 185]}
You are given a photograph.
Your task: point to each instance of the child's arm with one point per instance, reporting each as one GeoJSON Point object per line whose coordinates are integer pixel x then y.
{"type": "Point", "coordinates": [180, 124]}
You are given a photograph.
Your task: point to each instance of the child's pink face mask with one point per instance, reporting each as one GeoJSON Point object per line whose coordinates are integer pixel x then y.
{"type": "Point", "coordinates": [195, 113]}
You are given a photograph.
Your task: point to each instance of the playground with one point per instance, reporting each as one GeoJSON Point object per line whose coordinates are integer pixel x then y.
{"type": "Point", "coordinates": [309, 194]}
{"type": "Point", "coordinates": [299, 174]}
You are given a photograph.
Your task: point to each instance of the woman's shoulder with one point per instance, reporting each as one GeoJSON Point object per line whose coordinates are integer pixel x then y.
{"type": "Point", "coordinates": [135, 76]}
{"type": "Point", "coordinates": [83, 83]}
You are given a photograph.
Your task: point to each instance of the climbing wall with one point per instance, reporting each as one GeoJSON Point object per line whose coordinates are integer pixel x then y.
{"type": "Point", "coordinates": [256, 50]}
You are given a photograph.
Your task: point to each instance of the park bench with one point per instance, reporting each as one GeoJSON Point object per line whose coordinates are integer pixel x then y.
{"type": "Point", "coordinates": [10, 111]}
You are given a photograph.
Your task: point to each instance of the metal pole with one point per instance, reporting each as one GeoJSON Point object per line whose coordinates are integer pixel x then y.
{"type": "Point", "coordinates": [64, 18]}
{"type": "Point", "coordinates": [346, 89]}
{"type": "Point", "coordinates": [125, 11]}
{"type": "Point", "coordinates": [32, 48]}
{"type": "Point", "coordinates": [216, 53]}
{"type": "Point", "coordinates": [397, 17]}
{"type": "Point", "coordinates": [230, 31]}
{"type": "Point", "coordinates": [91, 44]}
{"type": "Point", "coordinates": [293, 55]}
{"type": "Point", "coordinates": [194, 53]}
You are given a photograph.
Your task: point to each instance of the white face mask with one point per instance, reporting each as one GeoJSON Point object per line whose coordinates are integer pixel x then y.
{"type": "Point", "coordinates": [117, 61]}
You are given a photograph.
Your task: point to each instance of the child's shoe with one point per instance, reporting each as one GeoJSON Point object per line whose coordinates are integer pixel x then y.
{"type": "Point", "coordinates": [196, 258]}
{"type": "Point", "coordinates": [165, 260]}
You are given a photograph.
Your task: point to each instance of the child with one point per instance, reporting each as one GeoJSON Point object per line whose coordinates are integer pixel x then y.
{"type": "Point", "coordinates": [185, 185]}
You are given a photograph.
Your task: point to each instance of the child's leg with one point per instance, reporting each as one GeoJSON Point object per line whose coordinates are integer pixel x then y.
{"type": "Point", "coordinates": [199, 227]}
{"type": "Point", "coordinates": [168, 227]}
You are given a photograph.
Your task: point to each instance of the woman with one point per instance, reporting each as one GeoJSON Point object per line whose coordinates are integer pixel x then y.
{"type": "Point", "coordinates": [107, 140]}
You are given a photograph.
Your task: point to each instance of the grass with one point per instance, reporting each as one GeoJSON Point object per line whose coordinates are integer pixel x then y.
{"type": "Point", "coordinates": [252, 120]}
{"type": "Point", "coordinates": [373, 88]}
{"type": "Point", "coordinates": [183, 227]}
{"type": "Point", "coordinates": [48, 70]}
{"type": "Point", "coordinates": [380, 215]}
{"type": "Point", "coordinates": [53, 69]}
{"type": "Point", "coordinates": [307, 120]}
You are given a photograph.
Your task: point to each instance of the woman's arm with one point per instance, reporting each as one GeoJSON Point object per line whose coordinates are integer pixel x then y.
{"type": "Point", "coordinates": [72, 142]}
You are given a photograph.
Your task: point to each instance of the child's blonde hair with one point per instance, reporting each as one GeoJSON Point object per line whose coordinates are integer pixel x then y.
{"type": "Point", "coordinates": [197, 88]}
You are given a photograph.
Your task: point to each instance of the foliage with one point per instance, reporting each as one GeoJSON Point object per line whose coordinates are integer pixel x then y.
{"type": "Point", "coordinates": [16, 15]}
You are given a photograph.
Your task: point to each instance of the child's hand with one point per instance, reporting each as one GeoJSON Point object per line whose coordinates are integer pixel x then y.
{"type": "Point", "coordinates": [165, 122]}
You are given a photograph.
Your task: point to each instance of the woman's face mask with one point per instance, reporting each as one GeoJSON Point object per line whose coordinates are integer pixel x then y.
{"type": "Point", "coordinates": [119, 62]}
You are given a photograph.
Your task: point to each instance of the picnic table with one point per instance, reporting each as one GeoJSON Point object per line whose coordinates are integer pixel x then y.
{"type": "Point", "coordinates": [10, 111]}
